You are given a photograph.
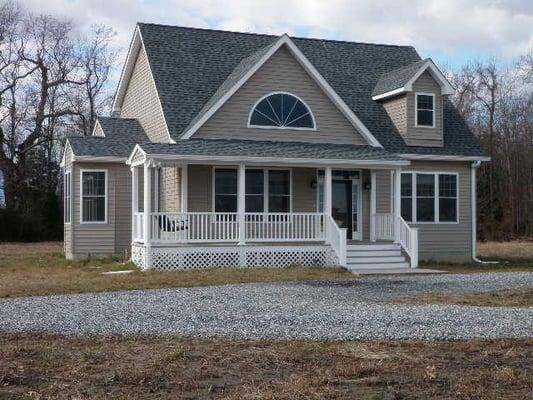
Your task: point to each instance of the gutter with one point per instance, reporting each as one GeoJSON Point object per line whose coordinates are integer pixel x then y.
{"type": "Point", "coordinates": [474, 167]}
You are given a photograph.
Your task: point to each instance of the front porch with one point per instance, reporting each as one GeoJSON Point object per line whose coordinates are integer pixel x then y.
{"type": "Point", "coordinates": [218, 213]}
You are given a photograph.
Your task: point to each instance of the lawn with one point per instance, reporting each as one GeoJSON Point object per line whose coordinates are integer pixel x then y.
{"type": "Point", "coordinates": [36, 366]}
{"type": "Point", "coordinates": [41, 269]}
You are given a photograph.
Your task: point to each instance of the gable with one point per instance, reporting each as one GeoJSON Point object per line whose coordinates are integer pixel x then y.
{"type": "Point", "coordinates": [141, 101]}
{"type": "Point", "coordinates": [282, 72]}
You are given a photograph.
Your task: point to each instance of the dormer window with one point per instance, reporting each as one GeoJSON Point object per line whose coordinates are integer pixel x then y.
{"type": "Point", "coordinates": [425, 110]}
{"type": "Point", "coordinates": [281, 111]}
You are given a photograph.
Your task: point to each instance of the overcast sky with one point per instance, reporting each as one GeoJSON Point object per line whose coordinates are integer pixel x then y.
{"type": "Point", "coordinates": [449, 31]}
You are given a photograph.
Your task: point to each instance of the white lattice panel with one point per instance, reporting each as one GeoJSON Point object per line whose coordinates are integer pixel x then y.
{"type": "Point", "coordinates": [185, 258]}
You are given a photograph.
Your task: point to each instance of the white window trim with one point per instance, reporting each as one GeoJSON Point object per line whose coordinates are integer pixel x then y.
{"type": "Point", "coordinates": [436, 204]}
{"type": "Point", "coordinates": [416, 110]}
{"type": "Point", "coordinates": [293, 128]}
{"type": "Point", "coordinates": [265, 183]}
{"type": "Point", "coordinates": [105, 171]}
{"type": "Point", "coordinates": [69, 174]}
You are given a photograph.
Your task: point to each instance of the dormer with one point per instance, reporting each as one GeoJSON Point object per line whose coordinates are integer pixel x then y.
{"type": "Point", "coordinates": [413, 97]}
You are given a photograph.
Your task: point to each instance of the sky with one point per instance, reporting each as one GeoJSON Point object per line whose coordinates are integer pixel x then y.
{"type": "Point", "coordinates": [451, 32]}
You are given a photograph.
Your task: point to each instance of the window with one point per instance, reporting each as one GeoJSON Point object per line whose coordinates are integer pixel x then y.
{"type": "Point", "coordinates": [66, 197]}
{"type": "Point", "coordinates": [425, 110]}
{"type": "Point", "coordinates": [429, 197]}
{"type": "Point", "coordinates": [225, 190]}
{"type": "Point", "coordinates": [266, 190]}
{"type": "Point", "coordinates": [281, 110]}
{"type": "Point", "coordinates": [94, 194]}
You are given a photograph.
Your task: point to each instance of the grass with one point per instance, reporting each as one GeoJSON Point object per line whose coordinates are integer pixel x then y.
{"type": "Point", "coordinates": [41, 269]}
{"type": "Point", "coordinates": [38, 366]}
{"type": "Point", "coordinates": [515, 250]}
{"type": "Point", "coordinates": [499, 298]}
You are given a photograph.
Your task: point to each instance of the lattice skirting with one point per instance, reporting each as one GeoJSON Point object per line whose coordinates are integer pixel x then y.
{"type": "Point", "coordinates": [185, 258]}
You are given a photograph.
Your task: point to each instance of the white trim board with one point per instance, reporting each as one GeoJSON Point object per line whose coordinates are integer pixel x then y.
{"type": "Point", "coordinates": [446, 87]}
{"type": "Point", "coordinates": [431, 157]}
{"type": "Point", "coordinates": [285, 40]}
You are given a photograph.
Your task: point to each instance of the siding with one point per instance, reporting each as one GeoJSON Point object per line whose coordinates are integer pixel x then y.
{"type": "Point", "coordinates": [141, 101]}
{"type": "Point", "coordinates": [169, 189]}
{"type": "Point", "coordinates": [448, 242]}
{"type": "Point", "coordinates": [396, 108]}
{"type": "Point", "coordinates": [122, 180]}
{"type": "Point", "coordinates": [199, 193]}
{"type": "Point", "coordinates": [281, 73]}
{"type": "Point", "coordinates": [383, 191]}
{"type": "Point", "coordinates": [304, 196]}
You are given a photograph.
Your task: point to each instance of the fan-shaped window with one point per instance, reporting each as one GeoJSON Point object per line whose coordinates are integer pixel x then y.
{"type": "Point", "coordinates": [282, 110]}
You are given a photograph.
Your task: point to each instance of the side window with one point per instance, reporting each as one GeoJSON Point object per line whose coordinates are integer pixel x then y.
{"type": "Point", "coordinates": [93, 196]}
{"type": "Point", "coordinates": [225, 190]}
{"type": "Point", "coordinates": [425, 110]}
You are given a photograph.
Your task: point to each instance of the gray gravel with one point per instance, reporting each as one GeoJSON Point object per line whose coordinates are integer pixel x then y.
{"type": "Point", "coordinates": [309, 310]}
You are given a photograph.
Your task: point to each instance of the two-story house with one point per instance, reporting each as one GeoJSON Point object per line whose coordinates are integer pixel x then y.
{"type": "Point", "coordinates": [238, 149]}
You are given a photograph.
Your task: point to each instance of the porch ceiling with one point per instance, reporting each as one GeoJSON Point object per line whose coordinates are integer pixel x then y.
{"type": "Point", "coordinates": [264, 152]}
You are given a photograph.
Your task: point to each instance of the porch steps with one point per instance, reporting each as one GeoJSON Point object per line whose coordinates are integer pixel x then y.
{"type": "Point", "coordinates": [375, 256]}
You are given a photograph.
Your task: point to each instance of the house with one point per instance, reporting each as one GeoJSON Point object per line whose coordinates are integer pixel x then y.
{"type": "Point", "coordinates": [238, 149]}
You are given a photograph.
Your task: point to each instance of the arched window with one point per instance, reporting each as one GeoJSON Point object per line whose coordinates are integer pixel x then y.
{"type": "Point", "coordinates": [281, 110]}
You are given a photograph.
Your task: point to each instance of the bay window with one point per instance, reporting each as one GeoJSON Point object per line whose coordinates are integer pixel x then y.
{"type": "Point", "coordinates": [429, 197]}
{"type": "Point", "coordinates": [93, 196]}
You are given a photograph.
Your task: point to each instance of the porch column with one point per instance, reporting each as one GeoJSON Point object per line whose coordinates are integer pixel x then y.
{"type": "Point", "coordinates": [373, 205]}
{"type": "Point", "coordinates": [134, 201]}
{"type": "Point", "coordinates": [147, 212]}
{"type": "Point", "coordinates": [184, 186]}
{"type": "Point", "coordinates": [241, 191]}
{"type": "Point", "coordinates": [397, 206]}
{"type": "Point", "coordinates": [327, 191]}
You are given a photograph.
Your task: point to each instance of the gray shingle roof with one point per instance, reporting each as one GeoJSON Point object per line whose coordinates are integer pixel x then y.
{"type": "Point", "coordinates": [254, 148]}
{"type": "Point", "coordinates": [193, 67]}
{"type": "Point", "coordinates": [121, 136]}
{"type": "Point", "coordinates": [396, 78]}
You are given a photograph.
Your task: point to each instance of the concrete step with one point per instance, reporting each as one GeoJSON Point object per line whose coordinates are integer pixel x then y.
{"type": "Point", "coordinates": [374, 253]}
{"type": "Point", "coordinates": [370, 247]}
{"type": "Point", "coordinates": [377, 266]}
{"type": "Point", "coordinates": [374, 260]}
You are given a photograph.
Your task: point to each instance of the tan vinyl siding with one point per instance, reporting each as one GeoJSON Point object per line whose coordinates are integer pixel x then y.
{"type": "Point", "coordinates": [396, 108]}
{"type": "Point", "coordinates": [137, 158]}
{"type": "Point", "coordinates": [383, 191]}
{"type": "Point", "coordinates": [98, 131]}
{"type": "Point", "coordinates": [447, 242]}
{"type": "Point", "coordinates": [122, 211]}
{"type": "Point", "coordinates": [141, 101]}
{"type": "Point", "coordinates": [424, 136]}
{"type": "Point", "coordinates": [281, 73]}
{"type": "Point", "coordinates": [199, 193]}
{"type": "Point", "coordinates": [304, 196]}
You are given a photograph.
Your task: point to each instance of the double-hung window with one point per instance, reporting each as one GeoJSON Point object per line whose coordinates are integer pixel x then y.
{"type": "Point", "coordinates": [267, 190]}
{"type": "Point", "coordinates": [93, 196]}
{"type": "Point", "coordinates": [67, 196]}
{"type": "Point", "coordinates": [429, 197]}
{"type": "Point", "coordinates": [425, 110]}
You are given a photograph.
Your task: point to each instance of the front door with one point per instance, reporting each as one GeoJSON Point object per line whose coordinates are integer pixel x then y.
{"type": "Point", "coordinates": [341, 205]}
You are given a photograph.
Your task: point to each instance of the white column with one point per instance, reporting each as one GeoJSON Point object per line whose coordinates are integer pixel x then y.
{"type": "Point", "coordinates": [184, 187]}
{"type": "Point", "coordinates": [241, 191]}
{"type": "Point", "coordinates": [134, 201]}
{"type": "Point", "coordinates": [147, 213]}
{"type": "Point", "coordinates": [327, 191]}
{"type": "Point", "coordinates": [397, 206]}
{"type": "Point", "coordinates": [373, 205]}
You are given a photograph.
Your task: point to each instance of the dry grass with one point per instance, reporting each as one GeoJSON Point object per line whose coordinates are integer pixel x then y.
{"type": "Point", "coordinates": [519, 249]}
{"type": "Point", "coordinates": [52, 367]}
{"type": "Point", "coordinates": [41, 269]}
{"type": "Point", "coordinates": [499, 298]}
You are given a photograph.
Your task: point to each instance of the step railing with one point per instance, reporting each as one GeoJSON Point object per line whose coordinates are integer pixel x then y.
{"type": "Point", "coordinates": [383, 226]}
{"type": "Point", "coordinates": [336, 237]}
{"type": "Point", "coordinates": [387, 227]}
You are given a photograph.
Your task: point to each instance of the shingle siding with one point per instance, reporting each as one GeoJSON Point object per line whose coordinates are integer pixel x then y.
{"type": "Point", "coordinates": [141, 101]}
{"type": "Point", "coordinates": [280, 73]}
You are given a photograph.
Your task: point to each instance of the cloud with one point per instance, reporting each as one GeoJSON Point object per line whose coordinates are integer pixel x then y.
{"type": "Point", "coordinates": [499, 28]}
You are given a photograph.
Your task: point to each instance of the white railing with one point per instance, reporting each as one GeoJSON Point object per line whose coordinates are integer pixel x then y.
{"type": "Point", "coordinates": [336, 237]}
{"type": "Point", "coordinates": [275, 227]}
{"type": "Point", "coordinates": [383, 226]}
{"type": "Point", "coordinates": [166, 227]}
{"type": "Point", "coordinates": [138, 227]}
{"type": "Point", "coordinates": [408, 239]}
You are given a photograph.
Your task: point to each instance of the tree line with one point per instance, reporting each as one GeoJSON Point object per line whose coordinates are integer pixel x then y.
{"type": "Point", "coordinates": [55, 80]}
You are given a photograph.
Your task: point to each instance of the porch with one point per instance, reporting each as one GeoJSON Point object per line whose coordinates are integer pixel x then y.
{"type": "Point", "coordinates": [218, 213]}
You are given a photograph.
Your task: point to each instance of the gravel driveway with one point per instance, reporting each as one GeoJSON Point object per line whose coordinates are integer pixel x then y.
{"type": "Point", "coordinates": [306, 310]}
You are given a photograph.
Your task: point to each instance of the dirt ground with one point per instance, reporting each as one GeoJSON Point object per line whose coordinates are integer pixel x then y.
{"type": "Point", "coordinates": [34, 366]}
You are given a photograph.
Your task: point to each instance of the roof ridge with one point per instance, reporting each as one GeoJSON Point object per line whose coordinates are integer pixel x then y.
{"type": "Point", "coordinates": [275, 36]}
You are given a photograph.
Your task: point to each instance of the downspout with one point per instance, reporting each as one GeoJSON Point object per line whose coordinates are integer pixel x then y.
{"type": "Point", "coordinates": [475, 166]}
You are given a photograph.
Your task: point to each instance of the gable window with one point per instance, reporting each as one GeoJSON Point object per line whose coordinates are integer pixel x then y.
{"type": "Point", "coordinates": [66, 197]}
{"type": "Point", "coordinates": [93, 196]}
{"type": "Point", "coordinates": [425, 110]}
{"type": "Point", "coordinates": [282, 111]}
{"type": "Point", "coordinates": [267, 190]}
{"type": "Point", "coordinates": [429, 197]}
